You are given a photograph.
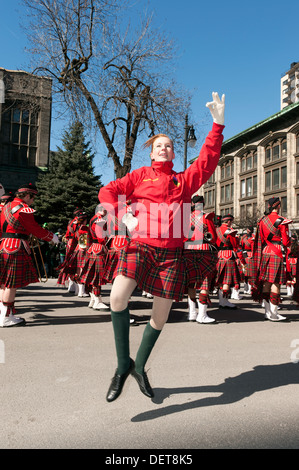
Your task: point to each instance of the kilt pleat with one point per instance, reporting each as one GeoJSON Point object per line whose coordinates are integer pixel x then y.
{"type": "Point", "coordinates": [93, 270]}
{"type": "Point", "coordinates": [17, 269]}
{"type": "Point", "coordinates": [200, 268]}
{"type": "Point", "coordinates": [158, 271]}
{"type": "Point", "coordinates": [272, 269]}
{"type": "Point", "coordinates": [110, 265]}
{"type": "Point", "coordinates": [227, 272]}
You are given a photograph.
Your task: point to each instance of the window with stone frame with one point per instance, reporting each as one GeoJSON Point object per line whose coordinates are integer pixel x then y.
{"type": "Point", "coordinates": [275, 150]}
{"type": "Point", "coordinates": [249, 161]}
{"type": "Point", "coordinates": [19, 136]}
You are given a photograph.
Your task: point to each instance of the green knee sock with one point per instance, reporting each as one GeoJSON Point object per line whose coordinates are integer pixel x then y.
{"type": "Point", "coordinates": [149, 338]}
{"type": "Point", "coordinates": [121, 328]}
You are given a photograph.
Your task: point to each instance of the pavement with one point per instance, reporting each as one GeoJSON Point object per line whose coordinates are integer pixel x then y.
{"type": "Point", "coordinates": [229, 385]}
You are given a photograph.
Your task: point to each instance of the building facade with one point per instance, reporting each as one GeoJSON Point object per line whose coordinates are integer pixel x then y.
{"type": "Point", "coordinates": [289, 86]}
{"type": "Point", "coordinates": [25, 122]}
{"type": "Point", "coordinates": [255, 165]}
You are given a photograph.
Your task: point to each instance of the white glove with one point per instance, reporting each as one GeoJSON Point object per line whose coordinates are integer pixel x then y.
{"type": "Point", "coordinates": [130, 221]}
{"type": "Point", "coordinates": [216, 108]}
{"type": "Point", "coordinates": [55, 239]}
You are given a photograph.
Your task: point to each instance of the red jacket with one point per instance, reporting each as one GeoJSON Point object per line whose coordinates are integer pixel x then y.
{"type": "Point", "coordinates": [25, 223]}
{"type": "Point", "coordinates": [158, 194]}
{"type": "Point", "coordinates": [228, 243]}
{"type": "Point", "coordinates": [272, 242]}
{"type": "Point", "coordinates": [200, 224]}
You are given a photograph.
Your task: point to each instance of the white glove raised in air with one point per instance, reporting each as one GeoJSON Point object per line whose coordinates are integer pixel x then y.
{"type": "Point", "coordinates": [55, 239]}
{"type": "Point", "coordinates": [216, 108]}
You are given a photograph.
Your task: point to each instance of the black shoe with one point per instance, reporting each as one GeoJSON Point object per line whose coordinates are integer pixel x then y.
{"type": "Point", "coordinates": [117, 383]}
{"type": "Point", "coordinates": [143, 383]}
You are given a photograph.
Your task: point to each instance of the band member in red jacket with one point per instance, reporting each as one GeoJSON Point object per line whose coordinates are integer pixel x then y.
{"type": "Point", "coordinates": [228, 275]}
{"type": "Point", "coordinates": [154, 259]}
{"type": "Point", "coordinates": [93, 270]}
{"type": "Point", "coordinates": [267, 267]}
{"type": "Point", "coordinates": [246, 243]}
{"type": "Point", "coordinates": [74, 261]}
{"type": "Point", "coordinates": [201, 240]}
{"type": "Point", "coordinates": [293, 253]}
{"type": "Point", "coordinates": [16, 266]}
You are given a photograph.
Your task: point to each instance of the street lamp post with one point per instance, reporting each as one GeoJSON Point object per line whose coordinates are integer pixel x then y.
{"type": "Point", "coordinates": [189, 139]}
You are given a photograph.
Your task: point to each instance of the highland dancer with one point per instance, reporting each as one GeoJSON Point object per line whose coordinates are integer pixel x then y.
{"type": "Point", "coordinates": [154, 259]}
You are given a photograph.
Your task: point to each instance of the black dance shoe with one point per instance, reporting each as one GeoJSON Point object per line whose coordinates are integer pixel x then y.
{"type": "Point", "coordinates": [117, 383]}
{"type": "Point", "coordinates": [143, 383]}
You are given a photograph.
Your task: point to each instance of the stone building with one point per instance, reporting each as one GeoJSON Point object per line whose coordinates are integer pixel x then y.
{"type": "Point", "coordinates": [25, 121]}
{"type": "Point", "coordinates": [289, 86]}
{"type": "Point", "coordinates": [256, 164]}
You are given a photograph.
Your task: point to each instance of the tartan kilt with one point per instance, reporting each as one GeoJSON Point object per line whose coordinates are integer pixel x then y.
{"type": "Point", "coordinates": [200, 268]}
{"type": "Point", "coordinates": [110, 265]}
{"type": "Point", "coordinates": [158, 271]}
{"type": "Point", "coordinates": [227, 272]}
{"type": "Point", "coordinates": [93, 270]}
{"type": "Point", "coordinates": [272, 269]}
{"type": "Point", "coordinates": [17, 269]}
{"type": "Point", "coordinates": [293, 263]}
{"type": "Point", "coordinates": [79, 258]}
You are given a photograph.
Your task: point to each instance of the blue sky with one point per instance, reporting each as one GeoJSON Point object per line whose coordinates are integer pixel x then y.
{"type": "Point", "coordinates": [237, 48]}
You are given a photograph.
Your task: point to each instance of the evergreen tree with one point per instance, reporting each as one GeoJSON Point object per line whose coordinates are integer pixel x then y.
{"type": "Point", "coordinates": [69, 182]}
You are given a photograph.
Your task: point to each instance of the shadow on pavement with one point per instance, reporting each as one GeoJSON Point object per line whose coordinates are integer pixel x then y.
{"type": "Point", "coordinates": [233, 389]}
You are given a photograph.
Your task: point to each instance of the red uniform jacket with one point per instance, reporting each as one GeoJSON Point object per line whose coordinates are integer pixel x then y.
{"type": "Point", "coordinates": [97, 228]}
{"type": "Point", "coordinates": [201, 224]}
{"type": "Point", "coordinates": [273, 238]}
{"type": "Point", "coordinates": [17, 218]}
{"type": "Point", "coordinates": [228, 243]}
{"type": "Point", "coordinates": [158, 194]}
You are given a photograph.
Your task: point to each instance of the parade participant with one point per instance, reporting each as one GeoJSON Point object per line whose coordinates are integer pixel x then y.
{"type": "Point", "coordinates": [16, 266]}
{"type": "Point", "coordinates": [293, 253]}
{"type": "Point", "coordinates": [93, 271]}
{"type": "Point", "coordinates": [228, 275]}
{"type": "Point", "coordinates": [246, 243]}
{"type": "Point", "coordinates": [201, 236]}
{"type": "Point", "coordinates": [74, 261]}
{"type": "Point", "coordinates": [4, 199]}
{"type": "Point", "coordinates": [266, 269]}
{"type": "Point", "coordinates": [153, 259]}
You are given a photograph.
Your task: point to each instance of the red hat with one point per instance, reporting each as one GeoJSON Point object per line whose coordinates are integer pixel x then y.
{"type": "Point", "coordinates": [6, 197]}
{"type": "Point", "coordinates": [28, 188]}
{"type": "Point", "coordinates": [227, 217]}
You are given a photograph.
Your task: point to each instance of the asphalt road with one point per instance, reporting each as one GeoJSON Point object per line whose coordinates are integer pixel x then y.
{"type": "Point", "coordinates": [230, 385]}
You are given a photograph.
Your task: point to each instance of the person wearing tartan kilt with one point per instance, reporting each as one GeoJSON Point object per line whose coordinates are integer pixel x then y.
{"type": "Point", "coordinates": [201, 246]}
{"type": "Point", "coordinates": [93, 270]}
{"type": "Point", "coordinates": [293, 252]}
{"type": "Point", "coordinates": [246, 243]}
{"type": "Point", "coordinates": [153, 259]}
{"type": "Point", "coordinates": [16, 266]}
{"type": "Point", "coordinates": [267, 266]}
{"type": "Point", "coordinates": [228, 274]}
{"type": "Point", "coordinates": [75, 255]}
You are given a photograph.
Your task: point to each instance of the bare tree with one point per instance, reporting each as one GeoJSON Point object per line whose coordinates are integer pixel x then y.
{"type": "Point", "coordinates": [112, 77]}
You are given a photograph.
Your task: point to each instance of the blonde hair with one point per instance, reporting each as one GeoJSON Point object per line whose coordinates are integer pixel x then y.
{"type": "Point", "coordinates": [151, 140]}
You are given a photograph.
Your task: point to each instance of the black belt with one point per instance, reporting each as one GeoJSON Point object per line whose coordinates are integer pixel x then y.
{"type": "Point", "coordinates": [21, 236]}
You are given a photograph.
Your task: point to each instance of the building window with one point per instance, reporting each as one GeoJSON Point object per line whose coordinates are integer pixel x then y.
{"type": "Point", "coordinates": [249, 186]}
{"type": "Point", "coordinates": [249, 161]}
{"type": "Point", "coordinates": [19, 137]}
{"type": "Point", "coordinates": [297, 143]}
{"type": "Point", "coordinates": [227, 192]}
{"type": "Point", "coordinates": [276, 179]}
{"type": "Point", "coordinates": [227, 170]}
{"type": "Point", "coordinates": [284, 208]}
{"type": "Point", "coordinates": [276, 150]}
